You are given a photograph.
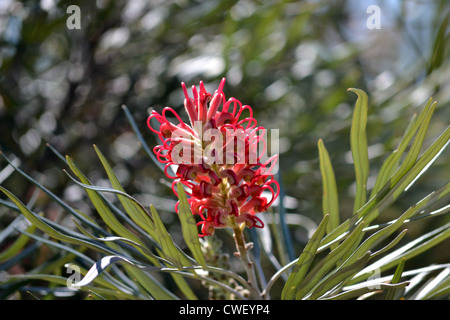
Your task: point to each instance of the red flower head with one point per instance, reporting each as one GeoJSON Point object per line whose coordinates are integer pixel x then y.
{"type": "Point", "coordinates": [218, 157]}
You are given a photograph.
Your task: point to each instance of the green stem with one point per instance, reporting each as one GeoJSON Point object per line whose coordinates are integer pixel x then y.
{"type": "Point", "coordinates": [243, 254]}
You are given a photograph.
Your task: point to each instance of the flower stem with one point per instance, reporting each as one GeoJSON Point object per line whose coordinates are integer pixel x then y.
{"type": "Point", "coordinates": [243, 254]}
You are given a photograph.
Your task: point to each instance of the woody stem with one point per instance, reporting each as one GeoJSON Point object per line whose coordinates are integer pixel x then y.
{"type": "Point", "coordinates": [243, 254]}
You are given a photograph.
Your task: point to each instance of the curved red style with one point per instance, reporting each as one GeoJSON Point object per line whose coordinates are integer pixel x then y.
{"type": "Point", "coordinates": [218, 158]}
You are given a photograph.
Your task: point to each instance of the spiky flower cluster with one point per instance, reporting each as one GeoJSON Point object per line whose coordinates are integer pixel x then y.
{"type": "Point", "coordinates": [218, 157]}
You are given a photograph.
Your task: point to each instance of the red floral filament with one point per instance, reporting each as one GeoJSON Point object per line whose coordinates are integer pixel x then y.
{"type": "Point", "coordinates": [217, 158]}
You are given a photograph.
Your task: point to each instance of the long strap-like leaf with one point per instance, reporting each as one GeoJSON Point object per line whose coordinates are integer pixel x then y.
{"type": "Point", "coordinates": [358, 143]}
{"type": "Point", "coordinates": [304, 261]}
{"type": "Point", "coordinates": [330, 202]}
{"type": "Point", "coordinates": [189, 227]}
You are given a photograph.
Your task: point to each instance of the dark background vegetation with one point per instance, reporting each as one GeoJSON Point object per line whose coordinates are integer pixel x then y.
{"type": "Point", "coordinates": [292, 61]}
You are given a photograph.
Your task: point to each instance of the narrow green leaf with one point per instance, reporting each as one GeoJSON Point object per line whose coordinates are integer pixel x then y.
{"type": "Point", "coordinates": [382, 234]}
{"type": "Point", "coordinates": [149, 283]}
{"type": "Point", "coordinates": [153, 258]}
{"type": "Point", "coordinates": [278, 243]}
{"type": "Point", "coordinates": [324, 265]}
{"type": "Point", "coordinates": [391, 293]}
{"type": "Point", "coordinates": [108, 281]}
{"type": "Point", "coordinates": [442, 292]}
{"type": "Point", "coordinates": [339, 276]}
{"type": "Point", "coordinates": [351, 294]}
{"type": "Point", "coordinates": [330, 203]}
{"type": "Point", "coordinates": [390, 164]}
{"type": "Point", "coordinates": [127, 220]}
{"type": "Point", "coordinates": [408, 251]}
{"type": "Point", "coordinates": [101, 207]}
{"type": "Point", "coordinates": [58, 200]}
{"type": "Point", "coordinates": [391, 244]}
{"type": "Point", "coordinates": [39, 223]}
{"type": "Point", "coordinates": [153, 287]}
{"type": "Point", "coordinates": [165, 240]}
{"type": "Point", "coordinates": [184, 286]}
{"type": "Point", "coordinates": [416, 146]}
{"type": "Point", "coordinates": [139, 277]}
{"type": "Point", "coordinates": [17, 245]}
{"type": "Point", "coordinates": [438, 286]}
{"type": "Point", "coordinates": [141, 248]}
{"type": "Point", "coordinates": [389, 194]}
{"type": "Point", "coordinates": [105, 280]}
{"type": "Point", "coordinates": [286, 236]}
{"type": "Point", "coordinates": [99, 267]}
{"type": "Point", "coordinates": [139, 215]}
{"type": "Point", "coordinates": [63, 281]}
{"type": "Point", "coordinates": [439, 47]}
{"type": "Point", "coordinates": [358, 143]}
{"type": "Point", "coordinates": [189, 227]}
{"type": "Point", "coordinates": [304, 261]}
{"type": "Point", "coordinates": [420, 207]}
{"type": "Point", "coordinates": [422, 164]}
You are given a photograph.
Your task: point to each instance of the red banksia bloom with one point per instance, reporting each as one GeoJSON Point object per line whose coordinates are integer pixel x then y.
{"type": "Point", "coordinates": [218, 157]}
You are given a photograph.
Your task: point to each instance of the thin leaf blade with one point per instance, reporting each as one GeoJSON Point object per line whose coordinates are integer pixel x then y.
{"type": "Point", "coordinates": [330, 202]}
{"type": "Point", "coordinates": [101, 207]}
{"type": "Point", "coordinates": [189, 227]}
{"type": "Point", "coordinates": [358, 143]}
{"type": "Point", "coordinates": [304, 261]}
{"type": "Point", "coordinates": [136, 213]}
{"type": "Point", "coordinates": [168, 247]}
{"type": "Point", "coordinates": [392, 292]}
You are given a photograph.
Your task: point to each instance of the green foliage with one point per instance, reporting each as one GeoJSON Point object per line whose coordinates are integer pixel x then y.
{"type": "Point", "coordinates": [61, 91]}
{"type": "Point", "coordinates": [304, 261]}
{"type": "Point", "coordinates": [189, 227]}
{"type": "Point", "coordinates": [337, 262]}
{"type": "Point", "coordinates": [358, 142]}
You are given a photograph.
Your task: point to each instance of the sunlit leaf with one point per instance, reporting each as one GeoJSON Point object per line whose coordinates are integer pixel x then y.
{"type": "Point", "coordinates": [325, 265]}
{"type": "Point", "coordinates": [437, 287]}
{"type": "Point", "coordinates": [57, 199]}
{"type": "Point", "coordinates": [168, 247]}
{"type": "Point", "coordinates": [439, 48]}
{"type": "Point", "coordinates": [389, 194]}
{"type": "Point", "coordinates": [390, 165]}
{"type": "Point", "coordinates": [99, 267]}
{"type": "Point", "coordinates": [391, 293]}
{"type": "Point", "coordinates": [408, 251]}
{"type": "Point", "coordinates": [330, 202]}
{"type": "Point", "coordinates": [136, 212]}
{"type": "Point", "coordinates": [340, 275]}
{"type": "Point", "coordinates": [39, 223]}
{"type": "Point", "coordinates": [17, 245]}
{"type": "Point", "coordinates": [416, 146]}
{"type": "Point", "coordinates": [112, 293]}
{"type": "Point", "coordinates": [304, 261]}
{"type": "Point", "coordinates": [101, 207]}
{"type": "Point", "coordinates": [149, 283]}
{"type": "Point", "coordinates": [189, 227]}
{"type": "Point", "coordinates": [354, 293]}
{"type": "Point", "coordinates": [358, 143]}
{"type": "Point", "coordinates": [116, 239]}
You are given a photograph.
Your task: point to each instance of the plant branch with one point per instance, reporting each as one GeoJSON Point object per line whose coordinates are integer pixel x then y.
{"type": "Point", "coordinates": [243, 254]}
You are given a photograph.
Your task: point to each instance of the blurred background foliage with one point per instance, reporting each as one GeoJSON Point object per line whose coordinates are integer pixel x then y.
{"type": "Point", "coordinates": [292, 61]}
